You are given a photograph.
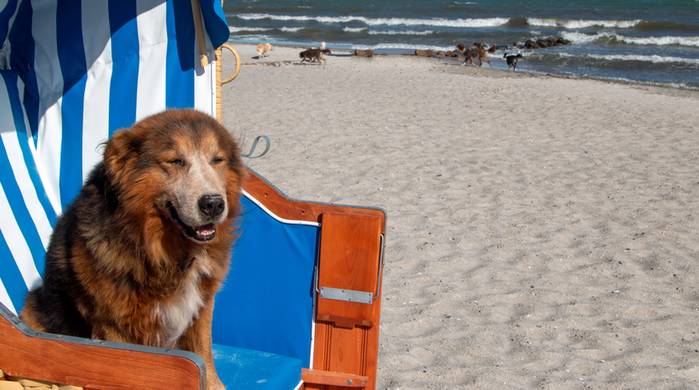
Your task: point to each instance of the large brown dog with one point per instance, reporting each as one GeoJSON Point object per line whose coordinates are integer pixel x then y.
{"type": "Point", "coordinates": [139, 255]}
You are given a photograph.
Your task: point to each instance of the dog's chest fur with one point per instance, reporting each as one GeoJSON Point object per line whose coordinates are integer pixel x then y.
{"type": "Point", "coordinates": [177, 312]}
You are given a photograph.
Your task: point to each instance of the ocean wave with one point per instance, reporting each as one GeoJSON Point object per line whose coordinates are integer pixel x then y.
{"type": "Point", "coordinates": [656, 59]}
{"type": "Point", "coordinates": [394, 32]}
{"type": "Point", "coordinates": [577, 37]}
{"type": "Point", "coordinates": [617, 38]}
{"type": "Point", "coordinates": [438, 22]}
{"type": "Point", "coordinates": [255, 38]}
{"type": "Point", "coordinates": [234, 30]}
{"type": "Point", "coordinates": [574, 24]}
{"type": "Point", "coordinates": [354, 29]}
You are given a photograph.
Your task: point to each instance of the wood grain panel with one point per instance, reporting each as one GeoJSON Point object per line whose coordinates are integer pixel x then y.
{"type": "Point", "coordinates": [330, 378]}
{"type": "Point", "coordinates": [350, 247]}
{"type": "Point", "coordinates": [92, 366]}
{"type": "Point", "coordinates": [347, 333]}
{"type": "Point", "coordinates": [289, 208]}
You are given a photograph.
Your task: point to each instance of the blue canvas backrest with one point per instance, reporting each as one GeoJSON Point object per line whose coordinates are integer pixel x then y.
{"type": "Point", "coordinates": [75, 72]}
{"type": "Point", "coordinates": [267, 302]}
{"type": "Point", "coordinates": [26, 215]}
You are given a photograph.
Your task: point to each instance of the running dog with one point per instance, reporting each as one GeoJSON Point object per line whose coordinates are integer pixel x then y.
{"type": "Point", "coordinates": [142, 250]}
{"type": "Point", "coordinates": [313, 55]}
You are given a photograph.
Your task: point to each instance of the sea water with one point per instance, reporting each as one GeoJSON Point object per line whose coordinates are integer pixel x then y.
{"type": "Point", "coordinates": [644, 41]}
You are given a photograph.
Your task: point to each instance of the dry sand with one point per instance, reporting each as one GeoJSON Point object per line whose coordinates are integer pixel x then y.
{"type": "Point", "coordinates": [542, 232]}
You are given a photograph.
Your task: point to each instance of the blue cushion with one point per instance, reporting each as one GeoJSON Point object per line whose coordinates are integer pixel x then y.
{"type": "Point", "coordinates": [241, 368]}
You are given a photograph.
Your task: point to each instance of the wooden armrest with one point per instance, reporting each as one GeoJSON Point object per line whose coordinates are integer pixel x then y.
{"type": "Point", "coordinates": [93, 364]}
{"type": "Point", "coordinates": [332, 378]}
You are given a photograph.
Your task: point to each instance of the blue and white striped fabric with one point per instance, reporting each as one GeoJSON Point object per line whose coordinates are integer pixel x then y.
{"type": "Point", "coordinates": [73, 72]}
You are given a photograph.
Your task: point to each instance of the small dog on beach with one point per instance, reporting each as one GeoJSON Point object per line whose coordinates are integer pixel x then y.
{"type": "Point", "coordinates": [141, 252]}
{"type": "Point", "coordinates": [512, 60]}
{"type": "Point", "coordinates": [313, 55]}
{"type": "Point", "coordinates": [263, 49]}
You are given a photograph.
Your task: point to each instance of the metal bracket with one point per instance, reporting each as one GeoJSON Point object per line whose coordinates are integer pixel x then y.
{"type": "Point", "coordinates": [340, 294]}
{"type": "Point", "coordinates": [353, 295]}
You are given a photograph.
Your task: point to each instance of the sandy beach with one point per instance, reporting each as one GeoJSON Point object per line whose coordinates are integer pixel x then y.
{"type": "Point", "coordinates": [542, 232]}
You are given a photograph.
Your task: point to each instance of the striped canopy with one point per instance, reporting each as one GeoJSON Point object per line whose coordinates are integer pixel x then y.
{"type": "Point", "coordinates": [75, 72]}
{"type": "Point", "coordinates": [71, 74]}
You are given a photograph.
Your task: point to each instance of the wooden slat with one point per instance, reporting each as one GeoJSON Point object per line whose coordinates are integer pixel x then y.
{"type": "Point", "coordinates": [349, 259]}
{"type": "Point", "coordinates": [332, 378]}
{"type": "Point", "coordinates": [288, 208]}
{"type": "Point", "coordinates": [347, 333]}
{"type": "Point", "coordinates": [92, 366]}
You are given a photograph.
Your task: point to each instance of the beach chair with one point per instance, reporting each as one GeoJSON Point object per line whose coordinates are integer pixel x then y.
{"type": "Point", "coordinates": [300, 306]}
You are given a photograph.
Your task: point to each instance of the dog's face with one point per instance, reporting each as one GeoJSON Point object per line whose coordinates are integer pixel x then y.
{"type": "Point", "coordinates": [182, 165]}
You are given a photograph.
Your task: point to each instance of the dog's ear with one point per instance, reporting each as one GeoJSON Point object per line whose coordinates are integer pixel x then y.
{"type": "Point", "coordinates": [121, 152]}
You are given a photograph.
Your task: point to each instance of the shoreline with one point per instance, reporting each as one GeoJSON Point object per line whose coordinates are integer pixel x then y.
{"type": "Point", "coordinates": [447, 62]}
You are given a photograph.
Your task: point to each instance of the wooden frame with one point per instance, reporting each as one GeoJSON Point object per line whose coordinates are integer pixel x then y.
{"type": "Point", "coordinates": [93, 364]}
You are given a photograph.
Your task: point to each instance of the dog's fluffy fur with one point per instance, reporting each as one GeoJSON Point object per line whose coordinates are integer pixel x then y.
{"type": "Point", "coordinates": [140, 253]}
{"type": "Point", "coordinates": [263, 49]}
{"type": "Point", "coordinates": [313, 55]}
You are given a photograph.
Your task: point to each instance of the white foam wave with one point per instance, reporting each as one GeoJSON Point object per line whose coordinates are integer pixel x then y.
{"type": "Point", "coordinates": [291, 29]}
{"type": "Point", "coordinates": [354, 29]}
{"type": "Point", "coordinates": [394, 32]}
{"type": "Point", "coordinates": [659, 41]}
{"type": "Point", "coordinates": [234, 30]}
{"type": "Point", "coordinates": [573, 24]}
{"type": "Point", "coordinates": [577, 37]}
{"type": "Point", "coordinates": [464, 23]}
{"type": "Point", "coordinates": [656, 59]}
{"type": "Point", "coordinates": [680, 41]}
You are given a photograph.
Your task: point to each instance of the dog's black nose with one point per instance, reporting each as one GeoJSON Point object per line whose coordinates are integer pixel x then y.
{"type": "Point", "coordinates": [211, 205]}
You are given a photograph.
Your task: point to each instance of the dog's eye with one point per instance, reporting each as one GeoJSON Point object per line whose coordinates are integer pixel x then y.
{"type": "Point", "coordinates": [176, 161]}
{"type": "Point", "coordinates": [217, 160]}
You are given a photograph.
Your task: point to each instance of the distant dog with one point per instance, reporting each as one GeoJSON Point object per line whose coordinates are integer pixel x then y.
{"type": "Point", "coordinates": [468, 53]}
{"type": "Point", "coordinates": [313, 55]}
{"type": "Point", "coordinates": [263, 49]}
{"type": "Point", "coordinates": [481, 53]}
{"type": "Point", "coordinates": [476, 52]}
{"type": "Point", "coordinates": [512, 60]}
{"type": "Point", "coordinates": [141, 252]}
